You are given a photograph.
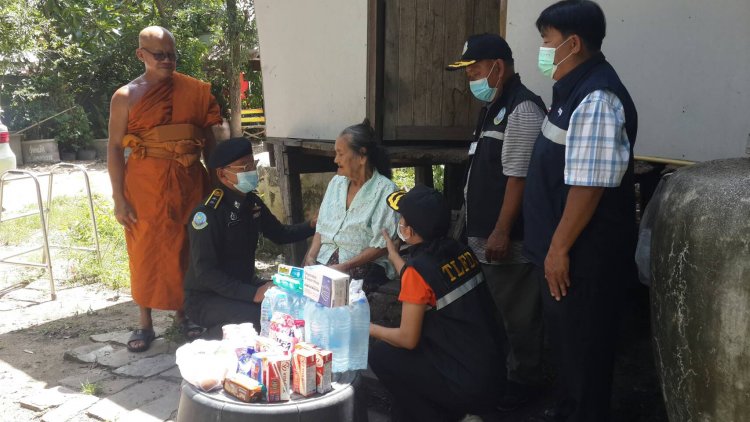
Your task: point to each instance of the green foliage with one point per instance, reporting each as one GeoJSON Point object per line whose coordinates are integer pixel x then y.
{"type": "Point", "coordinates": [404, 177]}
{"type": "Point", "coordinates": [85, 49]}
{"type": "Point", "coordinates": [74, 131]}
{"type": "Point", "coordinates": [91, 388]}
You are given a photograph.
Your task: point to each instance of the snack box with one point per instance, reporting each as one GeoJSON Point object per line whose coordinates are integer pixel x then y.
{"type": "Point", "coordinates": [243, 388]}
{"type": "Point", "coordinates": [276, 374]}
{"type": "Point", "coordinates": [326, 286]}
{"type": "Point", "coordinates": [290, 271]}
{"type": "Point", "coordinates": [287, 283]}
{"type": "Point", "coordinates": [303, 371]}
{"type": "Point", "coordinates": [323, 366]}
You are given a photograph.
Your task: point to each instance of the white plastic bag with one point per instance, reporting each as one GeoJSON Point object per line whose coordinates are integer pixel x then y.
{"type": "Point", "coordinates": [205, 363]}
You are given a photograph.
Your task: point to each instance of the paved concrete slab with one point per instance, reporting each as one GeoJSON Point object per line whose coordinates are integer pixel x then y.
{"type": "Point", "coordinates": [133, 397]}
{"type": "Point", "coordinates": [88, 353]}
{"type": "Point", "coordinates": [44, 399]}
{"type": "Point", "coordinates": [158, 410]}
{"type": "Point", "coordinates": [122, 357]}
{"type": "Point", "coordinates": [121, 337]}
{"type": "Point", "coordinates": [147, 367]}
{"type": "Point", "coordinates": [70, 410]}
{"type": "Point", "coordinates": [172, 374]}
{"type": "Point", "coordinates": [109, 384]}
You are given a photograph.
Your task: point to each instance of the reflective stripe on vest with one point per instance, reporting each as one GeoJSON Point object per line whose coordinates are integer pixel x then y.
{"type": "Point", "coordinates": [493, 134]}
{"type": "Point", "coordinates": [456, 294]}
{"type": "Point", "coordinates": [554, 133]}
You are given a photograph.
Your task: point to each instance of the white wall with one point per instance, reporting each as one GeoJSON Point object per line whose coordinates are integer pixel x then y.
{"type": "Point", "coordinates": [686, 64]}
{"type": "Point", "coordinates": [314, 60]}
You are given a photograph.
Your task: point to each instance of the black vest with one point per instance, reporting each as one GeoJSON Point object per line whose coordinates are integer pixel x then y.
{"type": "Point", "coordinates": [607, 243]}
{"type": "Point", "coordinates": [486, 183]}
{"type": "Point", "coordinates": [459, 335]}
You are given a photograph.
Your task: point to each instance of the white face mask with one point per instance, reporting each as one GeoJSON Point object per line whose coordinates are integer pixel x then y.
{"type": "Point", "coordinates": [400, 234]}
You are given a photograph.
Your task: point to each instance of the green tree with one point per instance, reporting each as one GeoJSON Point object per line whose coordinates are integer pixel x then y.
{"type": "Point", "coordinates": [82, 50]}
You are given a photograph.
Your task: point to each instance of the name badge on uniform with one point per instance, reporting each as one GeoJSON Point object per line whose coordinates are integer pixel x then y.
{"type": "Point", "coordinates": [500, 115]}
{"type": "Point", "coordinates": [473, 148]}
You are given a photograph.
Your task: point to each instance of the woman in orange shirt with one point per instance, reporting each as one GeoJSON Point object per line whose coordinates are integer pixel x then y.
{"type": "Point", "coordinates": [444, 360]}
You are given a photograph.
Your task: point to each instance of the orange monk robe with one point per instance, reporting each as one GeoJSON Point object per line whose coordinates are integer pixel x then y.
{"type": "Point", "coordinates": [163, 191]}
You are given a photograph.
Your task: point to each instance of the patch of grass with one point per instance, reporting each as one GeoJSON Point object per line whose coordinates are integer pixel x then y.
{"type": "Point", "coordinates": [70, 225]}
{"type": "Point", "coordinates": [91, 388]}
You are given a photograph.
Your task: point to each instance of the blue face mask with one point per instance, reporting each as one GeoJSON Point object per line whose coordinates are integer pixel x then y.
{"type": "Point", "coordinates": [246, 181]}
{"type": "Point", "coordinates": [481, 88]}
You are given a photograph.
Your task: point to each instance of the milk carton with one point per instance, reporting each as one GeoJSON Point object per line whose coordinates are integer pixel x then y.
{"type": "Point", "coordinates": [303, 371]}
{"type": "Point", "coordinates": [277, 375]}
{"type": "Point", "coordinates": [323, 366]}
{"type": "Point", "coordinates": [324, 371]}
{"type": "Point", "coordinates": [326, 286]}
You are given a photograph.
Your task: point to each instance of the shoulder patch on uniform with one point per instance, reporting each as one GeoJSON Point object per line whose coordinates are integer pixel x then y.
{"type": "Point", "coordinates": [215, 198]}
{"type": "Point", "coordinates": [500, 115]}
{"type": "Point", "coordinates": [199, 220]}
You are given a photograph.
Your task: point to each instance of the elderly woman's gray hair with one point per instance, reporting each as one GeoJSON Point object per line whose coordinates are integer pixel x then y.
{"type": "Point", "coordinates": [362, 141]}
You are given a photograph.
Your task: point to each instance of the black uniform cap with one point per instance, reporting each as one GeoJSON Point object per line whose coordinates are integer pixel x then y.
{"type": "Point", "coordinates": [229, 151]}
{"type": "Point", "coordinates": [424, 209]}
{"type": "Point", "coordinates": [483, 47]}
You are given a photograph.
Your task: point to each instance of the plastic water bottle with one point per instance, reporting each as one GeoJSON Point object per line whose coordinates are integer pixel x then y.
{"type": "Point", "coordinates": [266, 309]}
{"type": "Point", "coordinates": [297, 305]}
{"type": "Point", "coordinates": [282, 303]}
{"type": "Point", "coordinates": [317, 325]}
{"type": "Point", "coordinates": [360, 337]}
{"type": "Point", "coordinates": [341, 329]}
{"type": "Point", "coordinates": [7, 157]}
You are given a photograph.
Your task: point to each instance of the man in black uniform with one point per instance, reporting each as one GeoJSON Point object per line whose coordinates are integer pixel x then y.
{"type": "Point", "coordinates": [220, 284]}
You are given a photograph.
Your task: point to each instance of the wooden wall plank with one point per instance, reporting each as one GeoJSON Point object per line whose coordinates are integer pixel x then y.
{"type": "Point", "coordinates": [390, 70]}
{"type": "Point", "coordinates": [424, 27]}
{"type": "Point", "coordinates": [407, 45]}
{"type": "Point", "coordinates": [438, 61]}
{"type": "Point", "coordinates": [453, 48]}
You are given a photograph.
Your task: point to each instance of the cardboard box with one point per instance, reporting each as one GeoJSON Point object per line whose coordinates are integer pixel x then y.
{"type": "Point", "coordinates": [277, 375]}
{"type": "Point", "coordinates": [326, 286]}
{"type": "Point", "coordinates": [324, 371]}
{"type": "Point", "coordinates": [243, 388]}
{"type": "Point", "coordinates": [323, 366]}
{"type": "Point", "coordinates": [303, 372]}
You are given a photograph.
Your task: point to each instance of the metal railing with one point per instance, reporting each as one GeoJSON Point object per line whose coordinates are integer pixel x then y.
{"type": "Point", "coordinates": [43, 211]}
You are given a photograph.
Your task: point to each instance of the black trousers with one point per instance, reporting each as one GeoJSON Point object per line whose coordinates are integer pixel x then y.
{"type": "Point", "coordinates": [582, 329]}
{"type": "Point", "coordinates": [213, 311]}
{"type": "Point", "coordinates": [419, 392]}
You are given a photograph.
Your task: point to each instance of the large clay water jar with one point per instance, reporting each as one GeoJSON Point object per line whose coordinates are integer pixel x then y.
{"type": "Point", "coordinates": [700, 299]}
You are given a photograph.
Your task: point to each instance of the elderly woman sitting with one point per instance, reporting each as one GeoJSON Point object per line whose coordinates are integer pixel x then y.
{"type": "Point", "coordinates": [353, 212]}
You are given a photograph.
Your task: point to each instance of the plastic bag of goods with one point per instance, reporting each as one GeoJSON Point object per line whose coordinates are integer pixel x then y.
{"type": "Point", "coordinates": [205, 364]}
{"type": "Point", "coordinates": [284, 331]}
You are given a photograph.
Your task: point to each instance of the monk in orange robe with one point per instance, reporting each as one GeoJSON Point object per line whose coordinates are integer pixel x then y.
{"type": "Point", "coordinates": [165, 118]}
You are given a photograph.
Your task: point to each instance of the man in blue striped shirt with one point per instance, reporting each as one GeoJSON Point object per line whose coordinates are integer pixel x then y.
{"type": "Point", "coordinates": [579, 206]}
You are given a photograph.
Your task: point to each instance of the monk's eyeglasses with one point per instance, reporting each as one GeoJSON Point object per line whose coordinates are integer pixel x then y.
{"type": "Point", "coordinates": [159, 57]}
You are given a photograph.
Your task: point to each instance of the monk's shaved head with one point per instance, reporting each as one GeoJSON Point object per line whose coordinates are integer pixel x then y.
{"type": "Point", "coordinates": [154, 34]}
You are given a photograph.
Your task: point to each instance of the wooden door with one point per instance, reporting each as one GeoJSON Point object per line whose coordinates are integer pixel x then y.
{"type": "Point", "coordinates": [421, 101]}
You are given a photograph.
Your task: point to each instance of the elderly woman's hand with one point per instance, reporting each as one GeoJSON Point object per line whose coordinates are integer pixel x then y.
{"type": "Point", "coordinates": [389, 244]}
